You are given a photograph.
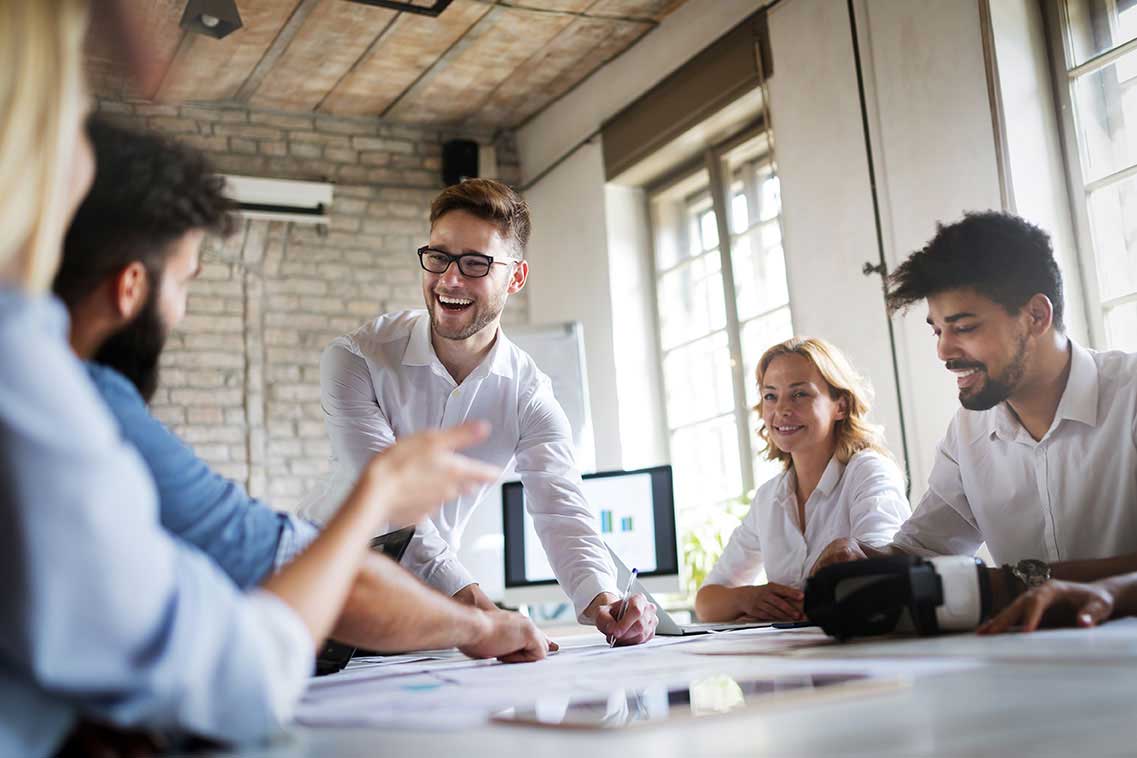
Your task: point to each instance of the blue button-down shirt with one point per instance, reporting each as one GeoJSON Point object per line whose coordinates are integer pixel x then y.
{"type": "Point", "coordinates": [103, 612]}
{"type": "Point", "coordinates": [244, 536]}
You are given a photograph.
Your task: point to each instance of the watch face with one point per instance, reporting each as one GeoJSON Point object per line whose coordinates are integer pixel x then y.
{"type": "Point", "coordinates": [1032, 572]}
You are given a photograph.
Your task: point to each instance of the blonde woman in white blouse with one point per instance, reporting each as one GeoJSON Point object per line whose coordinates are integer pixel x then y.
{"type": "Point", "coordinates": [839, 481]}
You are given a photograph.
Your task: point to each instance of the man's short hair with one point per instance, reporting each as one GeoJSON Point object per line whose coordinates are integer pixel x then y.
{"type": "Point", "coordinates": [999, 255]}
{"type": "Point", "coordinates": [148, 192]}
{"type": "Point", "coordinates": [491, 201]}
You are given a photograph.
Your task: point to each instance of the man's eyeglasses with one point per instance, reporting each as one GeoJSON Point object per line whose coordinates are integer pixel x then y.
{"type": "Point", "coordinates": [472, 265]}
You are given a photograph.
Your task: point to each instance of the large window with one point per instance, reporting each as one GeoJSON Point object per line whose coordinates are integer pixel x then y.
{"type": "Point", "coordinates": [1099, 94]}
{"type": "Point", "coordinates": [722, 300]}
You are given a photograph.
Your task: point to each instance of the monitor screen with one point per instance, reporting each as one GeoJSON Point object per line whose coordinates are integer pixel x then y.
{"type": "Point", "coordinates": [634, 513]}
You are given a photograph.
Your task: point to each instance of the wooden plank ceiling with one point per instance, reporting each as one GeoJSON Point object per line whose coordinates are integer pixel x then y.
{"type": "Point", "coordinates": [484, 63]}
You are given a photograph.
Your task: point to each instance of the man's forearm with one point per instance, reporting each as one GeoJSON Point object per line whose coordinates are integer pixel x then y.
{"type": "Point", "coordinates": [1093, 570]}
{"type": "Point", "coordinates": [390, 610]}
{"type": "Point", "coordinates": [1124, 591]}
{"type": "Point", "coordinates": [472, 594]}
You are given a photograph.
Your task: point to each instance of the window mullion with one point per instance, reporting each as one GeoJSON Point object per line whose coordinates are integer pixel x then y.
{"type": "Point", "coordinates": [1118, 301]}
{"type": "Point", "coordinates": [718, 197]}
{"type": "Point", "coordinates": [1102, 60]}
{"type": "Point", "coordinates": [1115, 178]}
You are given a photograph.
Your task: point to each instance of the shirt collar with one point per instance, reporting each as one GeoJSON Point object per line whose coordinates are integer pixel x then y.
{"type": "Point", "coordinates": [1080, 398]}
{"type": "Point", "coordinates": [829, 481]}
{"type": "Point", "coordinates": [832, 476]}
{"type": "Point", "coordinates": [1079, 401]}
{"type": "Point", "coordinates": [420, 351]}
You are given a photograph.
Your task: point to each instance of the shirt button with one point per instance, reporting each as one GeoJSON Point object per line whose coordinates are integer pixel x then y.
{"type": "Point", "coordinates": [456, 392]}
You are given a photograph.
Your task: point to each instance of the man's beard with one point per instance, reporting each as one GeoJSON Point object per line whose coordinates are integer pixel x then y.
{"type": "Point", "coordinates": [995, 389]}
{"type": "Point", "coordinates": [483, 316]}
{"type": "Point", "coordinates": [135, 350]}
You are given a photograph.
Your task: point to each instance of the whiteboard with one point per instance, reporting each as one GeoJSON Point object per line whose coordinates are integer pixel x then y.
{"type": "Point", "coordinates": [558, 350]}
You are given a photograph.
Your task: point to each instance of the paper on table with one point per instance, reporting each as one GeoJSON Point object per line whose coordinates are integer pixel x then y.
{"type": "Point", "coordinates": [763, 642]}
{"type": "Point", "coordinates": [452, 694]}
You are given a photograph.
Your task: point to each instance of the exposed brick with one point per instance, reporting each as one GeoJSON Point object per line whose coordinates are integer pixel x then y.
{"type": "Point", "coordinates": [284, 121]}
{"type": "Point", "coordinates": [274, 149]}
{"type": "Point", "coordinates": [246, 146]}
{"type": "Point", "coordinates": [239, 164]}
{"type": "Point", "coordinates": [350, 206]}
{"type": "Point", "coordinates": [352, 173]}
{"type": "Point", "coordinates": [320, 138]}
{"type": "Point", "coordinates": [340, 155]}
{"type": "Point", "coordinates": [215, 115]}
{"type": "Point", "coordinates": [204, 416]}
{"type": "Point", "coordinates": [373, 158]}
{"type": "Point", "coordinates": [198, 434]}
{"type": "Point", "coordinates": [248, 131]}
{"type": "Point", "coordinates": [347, 126]}
{"type": "Point", "coordinates": [306, 150]}
{"type": "Point", "coordinates": [172, 125]}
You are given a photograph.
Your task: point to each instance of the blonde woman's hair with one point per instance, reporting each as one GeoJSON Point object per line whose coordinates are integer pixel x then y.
{"type": "Point", "coordinates": [42, 96]}
{"type": "Point", "coordinates": [854, 433]}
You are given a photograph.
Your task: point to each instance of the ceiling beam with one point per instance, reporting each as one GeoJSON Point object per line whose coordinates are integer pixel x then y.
{"type": "Point", "coordinates": [283, 39]}
{"type": "Point", "coordinates": [366, 55]}
{"type": "Point", "coordinates": [479, 29]}
{"type": "Point", "coordinates": [185, 42]}
{"type": "Point", "coordinates": [579, 17]}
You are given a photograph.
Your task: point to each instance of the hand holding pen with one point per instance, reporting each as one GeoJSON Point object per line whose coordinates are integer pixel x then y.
{"type": "Point", "coordinates": [624, 603]}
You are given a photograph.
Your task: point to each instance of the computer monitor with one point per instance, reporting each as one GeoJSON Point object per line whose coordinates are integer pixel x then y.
{"type": "Point", "coordinates": [634, 513]}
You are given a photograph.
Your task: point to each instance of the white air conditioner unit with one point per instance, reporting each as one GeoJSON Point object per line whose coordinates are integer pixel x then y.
{"type": "Point", "coordinates": [281, 199]}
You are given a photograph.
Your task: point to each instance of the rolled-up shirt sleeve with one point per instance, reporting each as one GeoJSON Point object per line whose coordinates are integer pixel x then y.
{"type": "Point", "coordinates": [358, 429]}
{"type": "Point", "coordinates": [104, 610]}
{"type": "Point", "coordinates": [942, 523]}
{"type": "Point", "coordinates": [546, 465]}
{"type": "Point", "coordinates": [741, 560]}
{"type": "Point", "coordinates": [296, 534]}
{"type": "Point", "coordinates": [879, 506]}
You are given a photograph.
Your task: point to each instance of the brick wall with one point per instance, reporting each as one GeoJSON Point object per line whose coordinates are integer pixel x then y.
{"type": "Point", "coordinates": [240, 377]}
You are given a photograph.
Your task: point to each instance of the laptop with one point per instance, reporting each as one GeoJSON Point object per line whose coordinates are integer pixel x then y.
{"type": "Point", "coordinates": [668, 626]}
{"type": "Point", "coordinates": [334, 656]}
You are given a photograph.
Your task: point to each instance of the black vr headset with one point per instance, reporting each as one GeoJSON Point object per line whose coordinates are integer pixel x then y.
{"type": "Point", "coordinates": [899, 594]}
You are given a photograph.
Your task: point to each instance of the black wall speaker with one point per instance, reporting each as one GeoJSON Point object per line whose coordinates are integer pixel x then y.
{"type": "Point", "coordinates": [459, 161]}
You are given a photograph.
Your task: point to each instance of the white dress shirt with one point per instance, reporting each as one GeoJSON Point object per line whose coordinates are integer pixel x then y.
{"type": "Point", "coordinates": [1070, 496]}
{"type": "Point", "coordinates": [863, 498]}
{"type": "Point", "coordinates": [384, 381]}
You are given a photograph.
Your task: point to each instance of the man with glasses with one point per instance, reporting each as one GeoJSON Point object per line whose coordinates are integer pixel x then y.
{"type": "Point", "coordinates": [414, 370]}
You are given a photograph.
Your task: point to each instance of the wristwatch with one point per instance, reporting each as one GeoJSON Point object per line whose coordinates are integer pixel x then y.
{"type": "Point", "coordinates": [1031, 572]}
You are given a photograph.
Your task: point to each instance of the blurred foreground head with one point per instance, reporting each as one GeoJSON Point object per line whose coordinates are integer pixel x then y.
{"type": "Point", "coordinates": [45, 160]}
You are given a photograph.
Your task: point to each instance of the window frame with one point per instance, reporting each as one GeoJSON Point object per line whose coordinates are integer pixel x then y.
{"type": "Point", "coordinates": [720, 180]}
{"type": "Point", "coordinates": [1065, 74]}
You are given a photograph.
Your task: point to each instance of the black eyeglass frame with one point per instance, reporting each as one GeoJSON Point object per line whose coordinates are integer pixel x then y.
{"type": "Point", "coordinates": [489, 259]}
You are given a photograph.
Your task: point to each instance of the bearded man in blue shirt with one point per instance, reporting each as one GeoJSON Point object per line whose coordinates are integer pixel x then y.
{"type": "Point", "coordinates": [130, 256]}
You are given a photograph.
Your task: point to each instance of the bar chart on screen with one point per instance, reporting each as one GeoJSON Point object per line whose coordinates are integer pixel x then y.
{"type": "Point", "coordinates": [625, 519]}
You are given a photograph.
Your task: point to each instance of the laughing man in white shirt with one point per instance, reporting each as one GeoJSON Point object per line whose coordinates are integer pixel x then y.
{"type": "Point", "coordinates": [1041, 461]}
{"type": "Point", "coordinates": [420, 369]}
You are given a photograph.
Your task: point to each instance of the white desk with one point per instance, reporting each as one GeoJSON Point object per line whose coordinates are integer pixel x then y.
{"type": "Point", "coordinates": [1061, 694]}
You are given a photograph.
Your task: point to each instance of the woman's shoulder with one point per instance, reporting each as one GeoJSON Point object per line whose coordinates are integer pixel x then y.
{"type": "Point", "coordinates": [872, 463]}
